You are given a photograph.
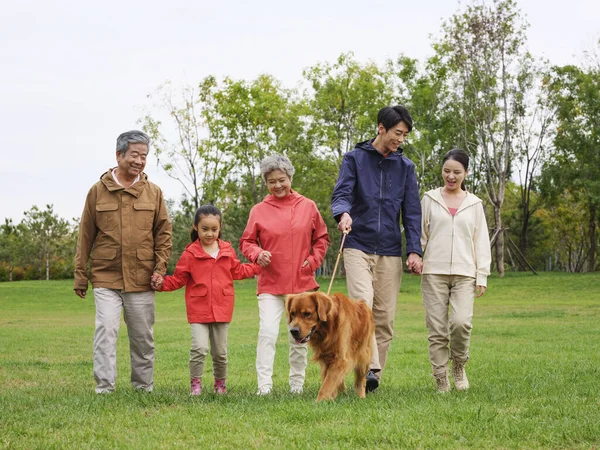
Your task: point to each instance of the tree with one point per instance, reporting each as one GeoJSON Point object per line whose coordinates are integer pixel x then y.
{"type": "Point", "coordinates": [11, 245]}
{"type": "Point", "coordinates": [345, 99]}
{"type": "Point", "coordinates": [486, 62]}
{"type": "Point", "coordinates": [575, 162]}
{"type": "Point", "coordinates": [185, 148]}
{"type": "Point", "coordinates": [47, 233]}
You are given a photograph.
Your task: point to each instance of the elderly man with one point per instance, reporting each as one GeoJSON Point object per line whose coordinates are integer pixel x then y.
{"type": "Point", "coordinates": [126, 229]}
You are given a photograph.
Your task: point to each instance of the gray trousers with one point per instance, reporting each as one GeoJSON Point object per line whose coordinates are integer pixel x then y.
{"type": "Point", "coordinates": [205, 336]}
{"type": "Point", "coordinates": [139, 318]}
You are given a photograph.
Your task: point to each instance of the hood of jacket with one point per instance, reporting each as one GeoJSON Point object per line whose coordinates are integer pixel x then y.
{"type": "Point", "coordinates": [292, 199]}
{"type": "Point", "coordinates": [436, 196]}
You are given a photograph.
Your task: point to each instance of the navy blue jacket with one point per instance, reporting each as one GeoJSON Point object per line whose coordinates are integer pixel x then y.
{"type": "Point", "coordinates": [374, 190]}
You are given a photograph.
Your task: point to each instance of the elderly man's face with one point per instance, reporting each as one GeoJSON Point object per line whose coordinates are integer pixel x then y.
{"type": "Point", "coordinates": [279, 183]}
{"type": "Point", "coordinates": [134, 161]}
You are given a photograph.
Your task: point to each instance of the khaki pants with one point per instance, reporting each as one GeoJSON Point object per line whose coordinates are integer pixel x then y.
{"type": "Point", "coordinates": [202, 335]}
{"type": "Point", "coordinates": [375, 279]}
{"type": "Point", "coordinates": [139, 318]}
{"type": "Point", "coordinates": [442, 293]}
{"type": "Point", "coordinates": [270, 310]}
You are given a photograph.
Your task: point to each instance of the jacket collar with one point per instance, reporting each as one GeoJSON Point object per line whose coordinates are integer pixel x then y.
{"type": "Point", "coordinates": [135, 190]}
{"type": "Point", "coordinates": [368, 146]}
{"type": "Point", "coordinates": [436, 195]}
{"type": "Point", "coordinates": [288, 200]}
{"type": "Point", "coordinates": [195, 248]}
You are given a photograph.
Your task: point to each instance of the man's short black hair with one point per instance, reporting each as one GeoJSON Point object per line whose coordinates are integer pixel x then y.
{"type": "Point", "coordinates": [390, 116]}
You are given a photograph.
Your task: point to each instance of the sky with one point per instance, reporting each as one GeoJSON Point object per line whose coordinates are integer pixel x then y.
{"type": "Point", "coordinates": [74, 75]}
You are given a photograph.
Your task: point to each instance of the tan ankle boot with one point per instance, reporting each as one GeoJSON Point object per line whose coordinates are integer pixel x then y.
{"type": "Point", "coordinates": [461, 383]}
{"type": "Point", "coordinates": [442, 382]}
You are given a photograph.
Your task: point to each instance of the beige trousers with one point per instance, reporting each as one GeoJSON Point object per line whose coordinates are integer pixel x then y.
{"type": "Point", "coordinates": [448, 301]}
{"type": "Point", "coordinates": [270, 310]}
{"type": "Point", "coordinates": [139, 318]}
{"type": "Point", "coordinates": [203, 335]}
{"type": "Point", "coordinates": [375, 279]}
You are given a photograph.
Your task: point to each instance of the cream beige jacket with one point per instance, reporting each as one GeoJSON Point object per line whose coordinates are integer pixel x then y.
{"type": "Point", "coordinates": [455, 245]}
{"type": "Point", "coordinates": [127, 231]}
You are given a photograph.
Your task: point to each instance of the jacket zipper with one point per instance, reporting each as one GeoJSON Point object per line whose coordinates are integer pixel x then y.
{"type": "Point", "coordinates": [380, 201]}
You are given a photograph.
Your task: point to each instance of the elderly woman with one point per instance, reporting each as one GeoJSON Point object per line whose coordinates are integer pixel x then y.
{"type": "Point", "coordinates": [287, 236]}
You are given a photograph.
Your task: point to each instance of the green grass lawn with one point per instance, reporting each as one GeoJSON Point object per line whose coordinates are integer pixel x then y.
{"type": "Point", "coordinates": [534, 374]}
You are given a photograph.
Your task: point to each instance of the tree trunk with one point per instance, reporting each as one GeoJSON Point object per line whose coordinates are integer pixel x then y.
{"type": "Point", "coordinates": [10, 271]}
{"type": "Point", "coordinates": [47, 266]}
{"type": "Point", "coordinates": [592, 228]}
{"type": "Point", "coordinates": [523, 238]}
{"type": "Point", "coordinates": [499, 242]}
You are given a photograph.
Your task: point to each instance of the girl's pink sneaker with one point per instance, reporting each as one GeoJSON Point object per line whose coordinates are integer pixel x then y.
{"type": "Point", "coordinates": [196, 384]}
{"type": "Point", "coordinates": [220, 387]}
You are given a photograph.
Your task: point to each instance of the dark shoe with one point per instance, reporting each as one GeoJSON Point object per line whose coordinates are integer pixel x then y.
{"type": "Point", "coordinates": [372, 381]}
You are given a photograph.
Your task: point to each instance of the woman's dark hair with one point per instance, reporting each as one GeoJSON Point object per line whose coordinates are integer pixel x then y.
{"type": "Point", "coordinates": [462, 157]}
{"type": "Point", "coordinates": [205, 210]}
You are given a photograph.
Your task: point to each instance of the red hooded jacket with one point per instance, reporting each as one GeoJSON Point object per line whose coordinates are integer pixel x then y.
{"type": "Point", "coordinates": [209, 294]}
{"type": "Point", "coordinates": [292, 229]}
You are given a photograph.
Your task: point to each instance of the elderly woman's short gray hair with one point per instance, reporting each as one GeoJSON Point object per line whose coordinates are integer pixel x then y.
{"type": "Point", "coordinates": [131, 137]}
{"type": "Point", "coordinates": [276, 162]}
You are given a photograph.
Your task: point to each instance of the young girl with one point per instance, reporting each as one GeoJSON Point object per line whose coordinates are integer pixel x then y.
{"type": "Point", "coordinates": [208, 267]}
{"type": "Point", "coordinates": [456, 264]}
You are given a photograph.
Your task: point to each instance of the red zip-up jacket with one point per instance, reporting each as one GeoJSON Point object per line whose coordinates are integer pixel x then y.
{"type": "Point", "coordinates": [209, 294]}
{"type": "Point", "coordinates": [292, 229]}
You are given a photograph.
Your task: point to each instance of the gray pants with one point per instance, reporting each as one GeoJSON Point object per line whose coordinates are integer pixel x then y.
{"type": "Point", "coordinates": [205, 335]}
{"type": "Point", "coordinates": [139, 317]}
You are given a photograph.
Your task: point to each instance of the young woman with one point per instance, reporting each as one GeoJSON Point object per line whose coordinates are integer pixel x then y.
{"type": "Point", "coordinates": [456, 264]}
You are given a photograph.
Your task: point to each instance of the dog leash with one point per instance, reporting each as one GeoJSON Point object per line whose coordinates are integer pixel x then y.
{"type": "Point", "coordinates": [337, 262]}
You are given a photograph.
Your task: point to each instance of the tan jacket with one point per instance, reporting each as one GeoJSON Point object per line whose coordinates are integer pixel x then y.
{"type": "Point", "coordinates": [455, 245]}
{"type": "Point", "coordinates": [128, 233]}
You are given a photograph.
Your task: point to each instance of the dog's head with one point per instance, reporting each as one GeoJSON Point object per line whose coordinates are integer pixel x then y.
{"type": "Point", "coordinates": [306, 311]}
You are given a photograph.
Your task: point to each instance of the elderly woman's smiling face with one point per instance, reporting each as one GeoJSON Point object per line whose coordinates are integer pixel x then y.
{"type": "Point", "coordinates": [279, 183]}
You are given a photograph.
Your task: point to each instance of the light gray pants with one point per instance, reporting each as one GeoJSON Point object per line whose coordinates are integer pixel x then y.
{"type": "Point", "coordinates": [376, 280]}
{"type": "Point", "coordinates": [139, 318]}
{"type": "Point", "coordinates": [270, 310]}
{"type": "Point", "coordinates": [203, 335]}
{"type": "Point", "coordinates": [441, 294]}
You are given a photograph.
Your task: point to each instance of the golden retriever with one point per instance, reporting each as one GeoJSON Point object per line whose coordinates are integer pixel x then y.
{"type": "Point", "coordinates": [340, 331]}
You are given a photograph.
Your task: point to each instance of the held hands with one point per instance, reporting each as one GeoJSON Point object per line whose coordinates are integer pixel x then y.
{"type": "Point", "coordinates": [480, 290]}
{"type": "Point", "coordinates": [264, 259]}
{"type": "Point", "coordinates": [156, 282]}
{"type": "Point", "coordinates": [414, 263]}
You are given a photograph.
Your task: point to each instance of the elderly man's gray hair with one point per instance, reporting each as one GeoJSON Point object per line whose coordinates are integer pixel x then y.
{"type": "Point", "coordinates": [131, 137]}
{"type": "Point", "coordinates": [276, 162]}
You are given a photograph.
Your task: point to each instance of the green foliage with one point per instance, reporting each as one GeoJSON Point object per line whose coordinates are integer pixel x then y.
{"type": "Point", "coordinates": [530, 386]}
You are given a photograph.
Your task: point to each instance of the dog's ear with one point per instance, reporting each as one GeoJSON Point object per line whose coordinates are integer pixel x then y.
{"type": "Point", "coordinates": [288, 306]}
{"type": "Point", "coordinates": [325, 306]}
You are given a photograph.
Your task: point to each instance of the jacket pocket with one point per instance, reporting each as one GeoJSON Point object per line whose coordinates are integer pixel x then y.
{"type": "Point", "coordinates": [228, 290]}
{"type": "Point", "coordinates": [143, 215]}
{"type": "Point", "coordinates": [144, 266]}
{"type": "Point", "coordinates": [199, 290]}
{"type": "Point", "coordinates": [107, 216]}
{"type": "Point", "coordinates": [104, 253]}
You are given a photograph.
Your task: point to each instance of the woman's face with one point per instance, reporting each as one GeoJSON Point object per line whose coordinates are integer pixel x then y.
{"type": "Point", "coordinates": [279, 183]}
{"type": "Point", "coordinates": [453, 174]}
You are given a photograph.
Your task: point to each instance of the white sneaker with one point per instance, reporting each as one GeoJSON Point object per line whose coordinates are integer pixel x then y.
{"type": "Point", "coordinates": [296, 390]}
{"type": "Point", "coordinates": [264, 390]}
{"type": "Point", "coordinates": [461, 383]}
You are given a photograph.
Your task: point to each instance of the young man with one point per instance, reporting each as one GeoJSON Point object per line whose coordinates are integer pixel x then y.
{"type": "Point", "coordinates": [375, 187]}
{"type": "Point", "coordinates": [126, 228]}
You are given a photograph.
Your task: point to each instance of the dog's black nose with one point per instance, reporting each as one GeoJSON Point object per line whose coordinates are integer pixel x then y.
{"type": "Point", "coordinates": [295, 332]}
